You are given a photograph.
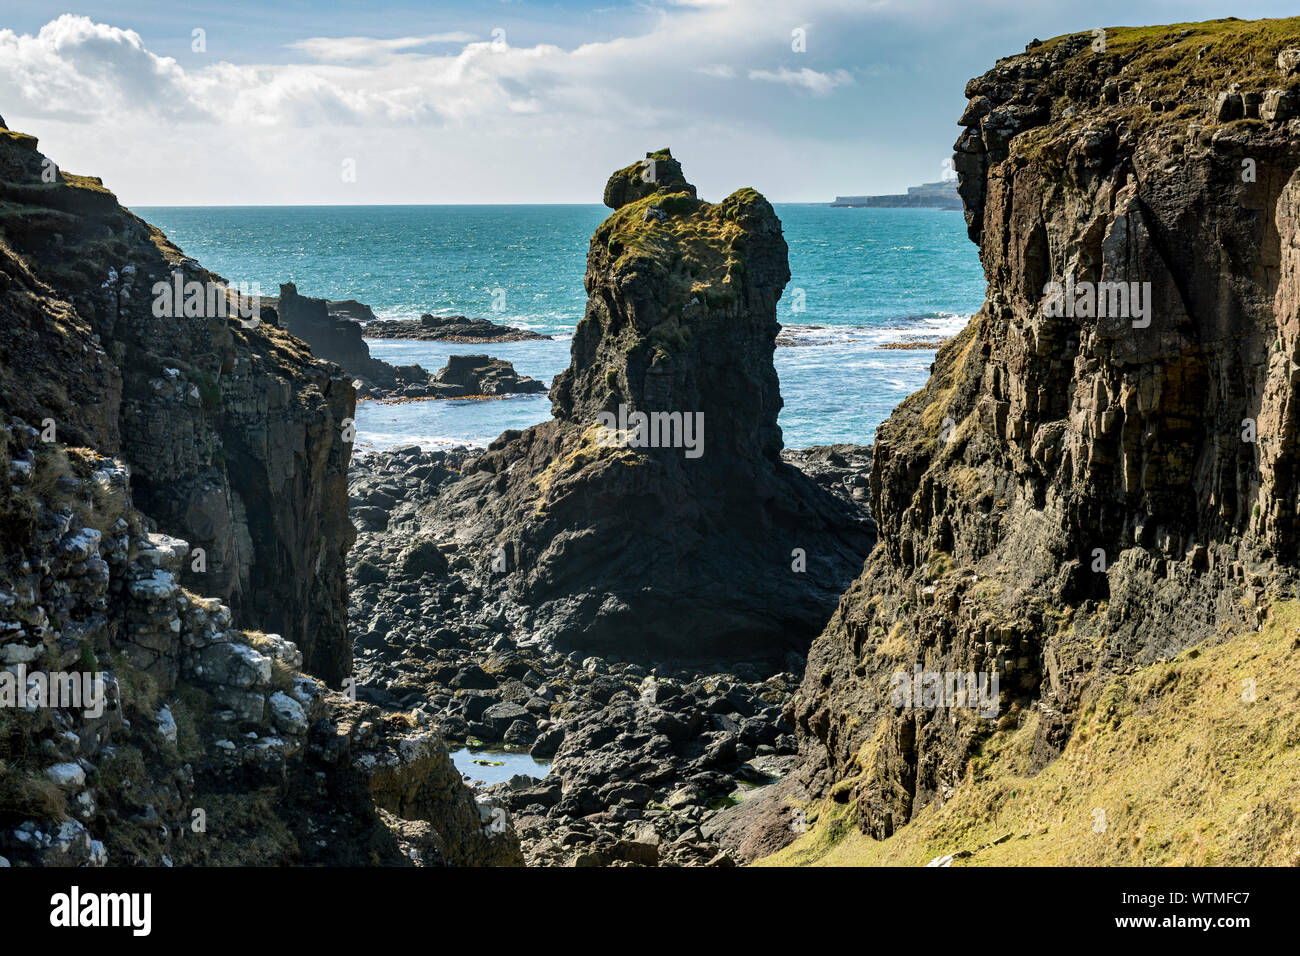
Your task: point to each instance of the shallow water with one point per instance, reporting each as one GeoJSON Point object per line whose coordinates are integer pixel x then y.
{"type": "Point", "coordinates": [511, 764]}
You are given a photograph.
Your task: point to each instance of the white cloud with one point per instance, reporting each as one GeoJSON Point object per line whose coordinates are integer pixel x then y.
{"type": "Point", "coordinates": [719, 71]}
{"type": "Point", "coordinates": [78, 69]}
{"type": "Point", "coordinates": [75, 67]}
{"type": "Point", "coordinates": [275, 131]}
{"type": "Point", "coordinates": [450, 117]}
{"type": "Point", "coordinates": [363, 48]}
{"type": "Point", "coordinates": [818, 84]}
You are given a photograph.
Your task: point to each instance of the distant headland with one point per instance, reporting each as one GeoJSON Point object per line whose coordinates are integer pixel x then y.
{"type": "Point", "coordinates": [941, 195]}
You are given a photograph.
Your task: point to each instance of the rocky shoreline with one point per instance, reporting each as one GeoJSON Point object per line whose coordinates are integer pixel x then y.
{"type": "Point", "coordinates": [644, 753]}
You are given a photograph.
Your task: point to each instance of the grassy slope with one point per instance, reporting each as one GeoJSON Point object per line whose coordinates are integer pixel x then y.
{"type": "Point", "coordinates": [1186, 770]}
{"type": "Point", "coordinates": [1183, 65]}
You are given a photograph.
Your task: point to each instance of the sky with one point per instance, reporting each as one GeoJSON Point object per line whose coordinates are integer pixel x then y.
{"type": "Point", "coordinates": [514, 101]}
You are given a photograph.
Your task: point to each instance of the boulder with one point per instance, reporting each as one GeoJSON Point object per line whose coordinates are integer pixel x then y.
{"type": "Point", "coordinates": [500, 717]}
{"type": "Point", "coordinates": [233, 665]}
{"type": "Point", "coordinates": [287, 714]}
{"type": "Point", "coordinates": [1227, 106]}
{"type": "Point", "coordinates": [465, 375]}
{"type": "Point", "coordinates": [66, 776]}
{"type": "Point", "coordinates": [423, 557]}
{"type": "Point", "coordinates": [1280, 105]}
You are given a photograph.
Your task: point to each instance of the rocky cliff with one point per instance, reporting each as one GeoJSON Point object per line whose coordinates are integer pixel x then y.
{"type": "Point", "coordinates": [156, 703]}
{"type": "Point", "coordinates": [1101, 472]}
{"type": "Point", "coordinates": [138, 725]}
{"type": "Point", "coordinates": [234, 435]}
{"type": "Point", "coordinates": [653, 514]}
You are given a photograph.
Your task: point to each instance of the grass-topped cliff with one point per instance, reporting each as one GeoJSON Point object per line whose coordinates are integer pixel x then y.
{"type": "Point", "coordinates": [1164, 75]}
{"type": "Point", "coordinates": [1073, 502]}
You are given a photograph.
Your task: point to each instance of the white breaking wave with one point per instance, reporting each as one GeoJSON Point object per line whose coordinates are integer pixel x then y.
{"type": "Point", "coordinates": [921, 328]}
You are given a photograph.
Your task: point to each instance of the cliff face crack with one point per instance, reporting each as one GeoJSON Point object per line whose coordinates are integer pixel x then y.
{"type": "Point", "coordinates": [1159, 245]}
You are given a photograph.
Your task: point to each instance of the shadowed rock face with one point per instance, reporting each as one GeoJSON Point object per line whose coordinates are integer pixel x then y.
{"type": "Point", "coordinates": [676, 551]}
{"type": "Point", "coordinates": [233, 434]}
{"type": "Point", "coordinates": [136, 416]}
{"type": "Point", "coordinates": [332, 338]}
{"type": "Point", "coordinates": [1070, 496]}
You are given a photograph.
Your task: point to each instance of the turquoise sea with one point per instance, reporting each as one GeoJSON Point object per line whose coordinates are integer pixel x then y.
{"type": "Point", "coordinates": [868, 277]}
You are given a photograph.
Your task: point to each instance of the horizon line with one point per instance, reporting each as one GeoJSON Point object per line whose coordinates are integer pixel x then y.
{"type": "Point", "coordinates": [406, 205]}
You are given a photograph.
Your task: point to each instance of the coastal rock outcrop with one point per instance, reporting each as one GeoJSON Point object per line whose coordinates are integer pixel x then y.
{"type": "Point", "coordinates": [653, 513]}
{"type": "Point", "coordinates": [140, 726]}
{"type": "Point", "coordinates": [1102, 470]}
{"type": "Point", "coordinates": [337, 337]}
{"type": "Point", "coordinates": [465, 375]}
{"type": "Point", "coordinates": [116, 341]}
{"type": "Point", "coordinates": [449, 328]}
{"type": "Point", "coordinates": [173, 529]}
{"type": "Point", "coordinates": [350, 309]}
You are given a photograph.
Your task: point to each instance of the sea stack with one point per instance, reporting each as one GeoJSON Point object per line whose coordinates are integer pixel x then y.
{"type": "Point", "coordinates": [681, 533]}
